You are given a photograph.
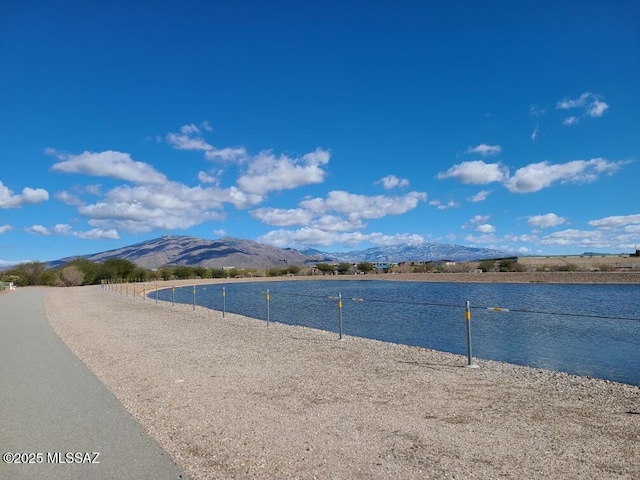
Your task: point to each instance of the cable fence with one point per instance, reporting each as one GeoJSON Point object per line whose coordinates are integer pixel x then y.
{"type": "Point", "coordinates": [585, 338]}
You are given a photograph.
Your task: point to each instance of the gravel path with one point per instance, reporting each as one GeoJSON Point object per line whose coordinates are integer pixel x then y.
{"type": "Point", "coordinates": [230, 398]}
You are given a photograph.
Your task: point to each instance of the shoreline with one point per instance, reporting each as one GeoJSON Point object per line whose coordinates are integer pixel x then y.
{"type": "Point", "coordinates": [232, 398]}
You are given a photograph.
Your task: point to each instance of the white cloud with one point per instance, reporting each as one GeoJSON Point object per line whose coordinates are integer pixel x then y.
{"type": "Point", "coordinates": [486, 238]}
{"type": "Point", "coordinates": [391, 181]}
{"type": "Point", "coordinates": [318, 238]}
{"type": "Point", "coordinates": [228, 154]}
{"type": "Point", "coordinates": [478, 219]}
{"type": "Point", "coordinates": [545, 221]}
{"type": "Point", "coordinates": [534, 111]}
{"type": "Point", "coordinates": [476, 172]}
{"type": "Point", "coordinates": [485, 228]}
{"type": "Point", "coordinates": [448, 205]}
{"type": "Point", "coordinates": [5, 228]}
{"type": "Point", "coordinates": [485, 150]}
{"type": "Point", "coordinates": [616, 221]}
{"type": "Point", "coordinates": [109, 163]}
{"type": "Point", "coordinates": [204, 177]}
{"type": "Point", "coordinates": [68, 198]}
{"type": "Point", "coordinates": [283, 217]}
{"type": "Point", "coordinates": [187, 139]}
{"type": "Point", "coordinates": [98, 233]}
{"type": "Point", "coordinates": [591, 104]}
{"type": "Point", "coordinates": [309, 237]}
{"type": "Point", "coordinates": [569, 121]}
{"type": "Point", "coordinates": [170, 206]}
{"type": "Point", "coordinates": [38, 230]}
{"type": "Point", "coordinates": [481, 196]}
{"type": "Point", "coordinates": [535, 133]}
{"type": "Point", "coordinates": [29, 196]}
{"type": "Point", "coordinates": [536, 176]}
{"type": "Point", "coordinates": [59, 229]}
{"type": "Point", "coordinates": [357, 207]}
{"type": "Point", "coordinates": [266, 172]}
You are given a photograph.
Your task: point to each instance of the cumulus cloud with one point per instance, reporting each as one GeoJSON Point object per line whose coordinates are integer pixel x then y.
{"type": "Point", "coordinates": [545, 221]}
{"type": "Point", "coordinates": [5, 228]}
{"type": "Point", "coordinates": [531, 178]}
{"type": "Point", "coordinates": [485, 150]}
{"type": "Point", "coordinates": [68, 198]}
{"type": "Point", "coordinates": [98, 234]}
{"type": "Point", "coordinates": [338, 218]}
{"type": "Point", "coordinates": [190, 138]}
{"type": "Point", "coordinates": [266, 172]}
{"type": "Point", "coordinates": [283, 217]}
{"type": "Point", "coordinates": [66, 230]}
{"type": "Point", "coordinates": [29, 196]}
{"type": "Point", "coordinates": [362, 206]}
{"type": "Point", "coordinates": [616, 221]}
{"type": "Point", "coordinates": [590, 104]}
{"type": "Point", "coordinates": [228, 154]}
{"type": "Point", "coordinates": [38, 230]}
{"type": "Point", "coordinates": [391, 181]}
{"type": "Point", "coordinates": [309, 236]}
{"type": "Point", "coordinates": [170, 206]}
{"type": "Point", "coordinates": [536, 176]}
{"type": "Point", "coordinates": [476, 172]}
{"type": "Point", "coordinates": [109, 163]}
{"type": "Point", "coordinates": [485, 228]}
{"type": "Point", "coordinates": [444, 206]}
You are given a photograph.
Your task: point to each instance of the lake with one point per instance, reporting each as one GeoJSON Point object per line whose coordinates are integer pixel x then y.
{"type": "Point", "coordinates": [589, 330]}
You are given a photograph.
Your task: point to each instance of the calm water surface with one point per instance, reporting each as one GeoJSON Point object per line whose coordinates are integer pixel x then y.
{"type": "Point", "coordinates": [590, 330]}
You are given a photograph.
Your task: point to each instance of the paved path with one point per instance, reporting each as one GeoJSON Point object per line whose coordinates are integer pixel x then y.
{"type": "Point", "coordinates": [50, 403]}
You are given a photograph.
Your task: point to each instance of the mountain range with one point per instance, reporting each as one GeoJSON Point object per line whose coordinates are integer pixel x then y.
{"type": "Point", "coordinates": [240, 253]}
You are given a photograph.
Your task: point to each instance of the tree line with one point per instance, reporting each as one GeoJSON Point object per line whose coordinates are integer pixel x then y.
{"type": "Point", "coordinates": [81, 271]}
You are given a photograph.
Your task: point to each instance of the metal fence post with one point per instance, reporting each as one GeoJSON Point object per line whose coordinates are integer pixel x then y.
{"type": "Point", "coordinates": [340, 316]}
{"type": "Point", "coordinates": [467, 317]}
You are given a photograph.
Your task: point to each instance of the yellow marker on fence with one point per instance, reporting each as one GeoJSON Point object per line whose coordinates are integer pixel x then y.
{"type": "Point", "coordinates": [498, 309]}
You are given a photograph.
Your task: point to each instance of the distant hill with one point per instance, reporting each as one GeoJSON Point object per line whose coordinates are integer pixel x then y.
{"type": "Point", "coordinates": [239, 253]}
{"type": "Point", "coordinates": [192, 251]}
{"type": "Point", "coordinates": [414, 253]}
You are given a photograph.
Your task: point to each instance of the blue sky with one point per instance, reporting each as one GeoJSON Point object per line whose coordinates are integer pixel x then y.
{"type": "Point", "coordinates": [329, 125]}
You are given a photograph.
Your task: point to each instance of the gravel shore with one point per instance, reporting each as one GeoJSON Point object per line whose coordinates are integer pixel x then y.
{"type": "Point", "coordinates": [232, 398]}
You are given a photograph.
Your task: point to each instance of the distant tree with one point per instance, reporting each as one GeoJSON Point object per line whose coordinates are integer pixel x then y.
{"type": "Point", "coordinates": [343, 268]}
{"type": "Point", "coordinates": [276, 272]}
{"type": "Point", "coordinates": [365, 267]}
{"type": "Point", "coordinates": [325, 268]}
{"type": "Point", "coordinates": [218, 273]}
{"type": "Point", "coordinates": [71, 276]}
{"type": "Point", "coordinates": [28, 273]}
{"type": "Point", "coordinates": [89, 269]}
{"type": "Point", "coordinates": [166, 273]}
{"type": "Point", "coordinates": [487, 265]}
{"type": "Point", "coordinates": [118, 268]}
{"type": "Point", "coordinates": [141, 274]}
{"type": "Point", "coordinates": [183, 272]}
{"type": "Point", "coordinates": [293, 270]}
{"type": "Point", "coordinates": [202, 272]}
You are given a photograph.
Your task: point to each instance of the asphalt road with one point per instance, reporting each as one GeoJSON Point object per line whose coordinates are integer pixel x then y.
{"type": "Point", "coordinates": [56, 415]}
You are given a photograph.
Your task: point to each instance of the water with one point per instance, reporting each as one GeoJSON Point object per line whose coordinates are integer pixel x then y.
{"type": "Point", "coordinates": [589, 330]}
